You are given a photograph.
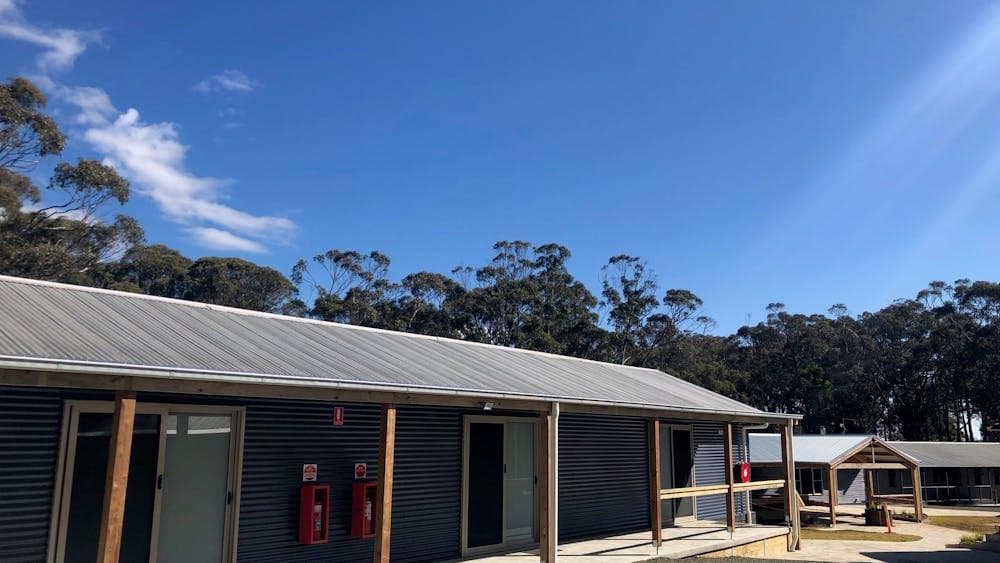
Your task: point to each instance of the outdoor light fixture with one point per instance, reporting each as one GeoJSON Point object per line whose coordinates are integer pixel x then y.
{"type": "Point", "coordinates": [487, 406]}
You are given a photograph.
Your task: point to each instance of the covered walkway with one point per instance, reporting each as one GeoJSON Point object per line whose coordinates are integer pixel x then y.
{"type": "Point", "coordinates": [829, 453]}
{"type": "Point", "coordinates": [695, 538]}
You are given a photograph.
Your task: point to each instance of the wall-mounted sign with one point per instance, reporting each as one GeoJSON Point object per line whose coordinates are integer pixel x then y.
{"type": "Point", "coordinates": [338, 416]}
{"type": "Point", "coordinates": [360, 470]}
{"type": "Point", "coordinates": [309, 471]}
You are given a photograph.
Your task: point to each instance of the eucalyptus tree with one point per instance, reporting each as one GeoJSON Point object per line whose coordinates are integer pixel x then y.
{"type": "Point", "coordinates": [234, 282]}
{"type": "Point", "coordinates": [64, 232]}
{"type": "Point", "coordinates": [350, 287]}
{"type": "Point", "coordinates": [629, 297]}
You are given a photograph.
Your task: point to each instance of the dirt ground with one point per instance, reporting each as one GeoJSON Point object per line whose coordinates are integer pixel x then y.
{"type": "Point", "coordinates": [930, 549]}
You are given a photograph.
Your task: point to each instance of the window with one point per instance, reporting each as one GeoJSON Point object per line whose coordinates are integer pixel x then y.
{"type": "Point", "coordinates": [893, 480]}
{"type": "Point", "coordinates": [809, 481]}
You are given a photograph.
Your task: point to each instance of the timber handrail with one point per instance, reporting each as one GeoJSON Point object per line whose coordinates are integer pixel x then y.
{"type": "Point", "coordinates": [759, 485]}
{"type": "Point", "coordinates": [705, 490]}
{"type": "Point", "coordinates": [684, 492]}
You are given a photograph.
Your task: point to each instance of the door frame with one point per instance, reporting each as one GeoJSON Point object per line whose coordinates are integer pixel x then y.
{"type": "Point", "coordinates": [63, 486]}
{"type": "Point", "coordinates": [467, 420]}
{"type": "Point", "coordinates": [670, 427]}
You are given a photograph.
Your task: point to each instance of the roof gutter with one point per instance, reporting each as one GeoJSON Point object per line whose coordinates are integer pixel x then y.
{"type": "Point", "coordinates": [110, 368]}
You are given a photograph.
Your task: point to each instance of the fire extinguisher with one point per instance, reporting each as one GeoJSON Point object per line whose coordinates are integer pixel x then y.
{"type": "Point", "coordinates": [368, 514]}
{"type": "Point", "coordinates": [317, 521]}
{"type": "Point", "coordinates": [314, 514]}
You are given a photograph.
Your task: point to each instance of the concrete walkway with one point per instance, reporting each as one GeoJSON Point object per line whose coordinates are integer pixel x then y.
{"type": "Point", "coordinates": [691, 539]}
{"type": "Point", "coordinates": [930, 549]}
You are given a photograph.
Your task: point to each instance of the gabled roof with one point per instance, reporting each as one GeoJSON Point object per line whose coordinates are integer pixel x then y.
{"type": "Point", "coordinates": [51, 326]}
{"type": "Point", "coordinates": [766, 448]}
{"type": "Point", "coordinates": [826, 449]}
{"type": "Point", "coordinates": [952, 454]}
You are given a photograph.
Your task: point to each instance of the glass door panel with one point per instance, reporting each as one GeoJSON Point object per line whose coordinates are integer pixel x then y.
{"type": "Point", "coordinates": [519, 480]}
{"type": "Point", "coordinates": [485, 491]}
{"type": "Point", "coordinates": [666, 476]}
{"type": "Point", "coordinates": [90, 454]}
{"type": "Point", "coordinates": [683, 470]}
{"type": "Point", "coordinates": [192, 526]}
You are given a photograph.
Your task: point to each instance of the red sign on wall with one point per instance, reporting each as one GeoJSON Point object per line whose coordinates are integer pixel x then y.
{"type": "Point", "coordinates": [360, 470]}
{"type": "Point", "coordinates": [338, 416]}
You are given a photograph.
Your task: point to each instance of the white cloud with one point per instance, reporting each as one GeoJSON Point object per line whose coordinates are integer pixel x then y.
{"type": "Point", "coordinates": [94, 104]}
{"type": "Point", "coordinates": [229, 80]}
{"type": "Point", "coordinates": [61, 46]}
{"type": "Point", "coordinates": [224, 240]}
{"type": "Point", "coordinates": [74, 214]}
{"type": "Point", "coordinates": [150, 155]}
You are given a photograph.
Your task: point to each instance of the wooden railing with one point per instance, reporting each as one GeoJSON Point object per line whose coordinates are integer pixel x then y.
{"type": "Point", "coordinates": [705, 490]}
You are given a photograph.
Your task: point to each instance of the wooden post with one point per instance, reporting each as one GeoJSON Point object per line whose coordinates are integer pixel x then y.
{"type": "Point", "coordinates": [545, 545]}
{"type": "Point", "coordinates": [116, 480]}
{"type": "Point", "coordinates": [833, 497]}
{"type": "Point", "coordinates": [386, 458]}
{"type": "Point", "coordinates": [791, 508]}
{"type": "Point", "coordinates": [730, 495]}
{"type": "Point", "coordinates": [869, 487]}
{"type": "Point", "coordinates": [918, 494]}
{"type": "Point", "coordinates": [655, 508]}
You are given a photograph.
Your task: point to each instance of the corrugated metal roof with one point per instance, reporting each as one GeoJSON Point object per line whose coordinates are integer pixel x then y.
{"type": "Point", "coordinates": [766, 448]}
{"type": "Point", "coordinates": [85, 329]}
{"type": "Point", "coordinates": [952, 454]}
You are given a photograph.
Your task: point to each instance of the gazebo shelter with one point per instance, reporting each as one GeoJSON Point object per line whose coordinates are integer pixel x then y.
{"type": "Point", "coordinates": [828, 454]}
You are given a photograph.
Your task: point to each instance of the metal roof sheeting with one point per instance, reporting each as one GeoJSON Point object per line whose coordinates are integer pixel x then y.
{"type": "Point", "coordinates": [823, 449]}
{"type": "Point", "coordinates": [952, 454]}
{"type": "Point", "coordinates": [95, 330]}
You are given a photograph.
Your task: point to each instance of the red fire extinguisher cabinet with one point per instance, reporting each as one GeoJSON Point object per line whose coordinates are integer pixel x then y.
{"type": "Point", "coordinates": [363, 500]}
{"type": "Point", "coordinates": [314, 514]}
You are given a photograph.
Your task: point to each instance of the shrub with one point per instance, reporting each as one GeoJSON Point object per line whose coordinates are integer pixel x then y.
{"type": "Point", "coordinates": [971, 538]}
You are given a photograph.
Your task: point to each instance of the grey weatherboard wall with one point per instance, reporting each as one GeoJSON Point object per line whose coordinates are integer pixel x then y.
{"type": "Point", "coordinates": [851, 485]}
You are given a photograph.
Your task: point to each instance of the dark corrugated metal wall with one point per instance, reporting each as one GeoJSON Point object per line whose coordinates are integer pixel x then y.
{"type": "Point", "coordinates": [710, 468]}
{"type": "Point", "coordinates": [710, 460]}
{"type": "Point", "coordinates": [427, 492]}
{"type": "Point", "coordinates": [603, 475]}
{"type": "Point", "coordinates": [29, 442]}
{"type": "Point", "coordinates": [279, 437]}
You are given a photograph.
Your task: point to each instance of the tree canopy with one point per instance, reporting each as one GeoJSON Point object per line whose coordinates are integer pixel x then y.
{"type": "Point", "coordinates": [924, 367]}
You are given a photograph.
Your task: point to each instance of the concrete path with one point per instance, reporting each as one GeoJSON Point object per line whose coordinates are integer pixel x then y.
{"type": "Point", "coordinates": [684, 541]}
{"type": "Point", "coordinates": [930, 549]}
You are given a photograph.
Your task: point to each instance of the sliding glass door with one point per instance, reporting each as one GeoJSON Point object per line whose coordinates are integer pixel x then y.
{"type": "Point", "coordinates": [676, 471]}
{"type": "Point", "coordinates": [90, 460]}
{"type": "Point", "coordinates": [194, 511]}
{"type": "Point", "coordinates": [499, 501]}
{"type": "Point", "coordinates": [179, 503]}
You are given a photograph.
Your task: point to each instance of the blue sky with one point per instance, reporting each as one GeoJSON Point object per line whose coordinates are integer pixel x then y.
{"type": "Point", "coordinates": [804, 152]}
